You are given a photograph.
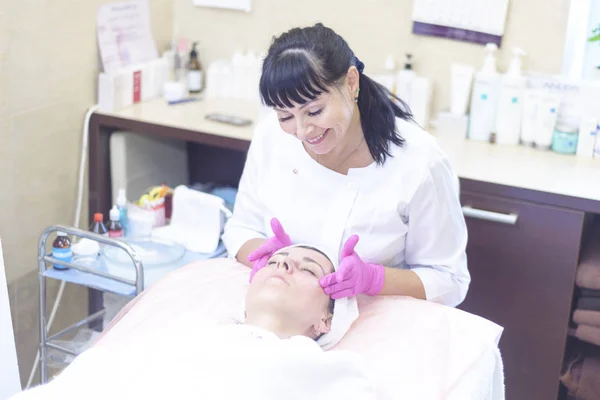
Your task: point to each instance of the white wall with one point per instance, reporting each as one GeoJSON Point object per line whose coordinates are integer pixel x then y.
{"type": "Point", "coordinates": [10, 382]}
{"type": "Point", "coordinates": [592, 50]}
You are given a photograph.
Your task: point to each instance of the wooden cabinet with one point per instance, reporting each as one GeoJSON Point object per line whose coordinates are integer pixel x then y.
{"type": "Point", "coordinates": [522, 259]}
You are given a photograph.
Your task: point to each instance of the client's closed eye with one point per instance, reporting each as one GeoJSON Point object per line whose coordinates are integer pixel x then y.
{"type": "Point", "coordinates": [309, 271]}
{"type": "Point", "coordinates": [274, 259]}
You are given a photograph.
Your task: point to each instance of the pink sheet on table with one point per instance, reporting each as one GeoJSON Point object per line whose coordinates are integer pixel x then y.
{"type": "Point", "coordinates": [410, 347]}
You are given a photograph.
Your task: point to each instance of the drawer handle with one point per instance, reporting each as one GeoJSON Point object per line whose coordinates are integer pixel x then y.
{"type": "Point", "coordinates": [510, 219]}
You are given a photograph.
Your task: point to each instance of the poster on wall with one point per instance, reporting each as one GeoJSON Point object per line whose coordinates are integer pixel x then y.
{"type": "Point", "coordinates": [475, 21]}
{"type": "Point", "coordinates": [124, 34]}
{"type": "Point", "coordinates": [243, 5]}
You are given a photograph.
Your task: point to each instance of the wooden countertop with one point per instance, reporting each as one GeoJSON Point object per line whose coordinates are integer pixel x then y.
{"type": "Point", "coordinates": [516, 166]}
{"type": "Point", "coordinates": [524, 167]}
{"type": "Point", "coordinates": [190, 116]}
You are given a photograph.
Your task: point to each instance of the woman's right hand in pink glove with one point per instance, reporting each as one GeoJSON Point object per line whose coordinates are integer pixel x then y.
{"type": "Point", "coordinates": [260, 256]}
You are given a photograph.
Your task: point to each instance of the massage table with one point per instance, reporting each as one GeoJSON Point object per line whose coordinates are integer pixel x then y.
{"type": "Point", "coordinates": [411, 349]}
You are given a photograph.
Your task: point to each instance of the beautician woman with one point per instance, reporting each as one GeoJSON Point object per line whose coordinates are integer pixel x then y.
{"type": "Point", "coordinates": [338, 160]}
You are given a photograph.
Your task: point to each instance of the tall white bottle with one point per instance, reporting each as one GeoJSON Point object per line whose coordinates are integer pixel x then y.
{"type": "Point", "coordinates": [404, 80]}
{"type": "Point", "coordinates": [484, 99]}
{"type": "Point", "coordinates": [388, 79]}
{"type": "Point", "coordinates": [510, 102]}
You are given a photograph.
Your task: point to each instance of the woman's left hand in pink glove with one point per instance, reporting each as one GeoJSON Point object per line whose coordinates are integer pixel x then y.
{"type": "Point", "coordinates": [353, 276]}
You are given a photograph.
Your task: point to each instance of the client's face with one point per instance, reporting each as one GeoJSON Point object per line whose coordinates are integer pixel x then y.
{"type": "Point", "coordinates": [289, 286]}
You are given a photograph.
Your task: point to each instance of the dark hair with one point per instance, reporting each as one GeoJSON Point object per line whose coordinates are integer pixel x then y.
{"type": "Point", "coordinates": [331, 305]}
{"type": "Point", "coordinates": [302, 63]}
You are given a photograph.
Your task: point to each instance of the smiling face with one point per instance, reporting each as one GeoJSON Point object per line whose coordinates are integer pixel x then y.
{"type": "Point", "coordinates": [288, 288]}
{"type": "Point", "coordinates": [323, 123]}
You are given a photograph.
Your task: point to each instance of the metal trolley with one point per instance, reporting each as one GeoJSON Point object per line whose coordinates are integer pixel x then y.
{"type": "Point", "coordinates": [77, 274]}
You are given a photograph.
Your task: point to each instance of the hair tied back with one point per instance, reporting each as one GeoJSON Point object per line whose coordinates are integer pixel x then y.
{"type": "Point", "coordinates": [360, 66]}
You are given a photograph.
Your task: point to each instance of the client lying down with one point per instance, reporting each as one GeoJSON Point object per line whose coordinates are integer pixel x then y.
{"type": "Point", "coordinates": [276, 352]}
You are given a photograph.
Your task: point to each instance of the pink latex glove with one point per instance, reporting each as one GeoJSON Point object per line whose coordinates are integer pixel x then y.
{"type": "Point", "coordinates": [353, 276]}
{"type": "Point", "coordinates": [260, 256]}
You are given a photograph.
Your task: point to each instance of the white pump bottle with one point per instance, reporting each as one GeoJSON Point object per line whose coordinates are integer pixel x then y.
{"type": "Point", "coordinates": [484, 99]}
{"type": "Point", "coordinates": [510, 102]}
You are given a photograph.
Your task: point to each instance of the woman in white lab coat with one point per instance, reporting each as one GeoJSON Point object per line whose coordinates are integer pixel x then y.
{"type": "Point", "coordinates": [340, 162]}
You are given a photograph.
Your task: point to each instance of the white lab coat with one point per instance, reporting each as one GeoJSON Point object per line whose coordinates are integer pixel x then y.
{"type": "Point", "coordinates": [407, 212]}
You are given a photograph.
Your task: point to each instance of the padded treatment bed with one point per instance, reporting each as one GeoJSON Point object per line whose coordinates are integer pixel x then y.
{"type": "Point", "coordinates": [410, 348]}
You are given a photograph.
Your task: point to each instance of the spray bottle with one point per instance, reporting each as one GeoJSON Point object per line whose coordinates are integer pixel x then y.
{"type": "Point", "coordinates": [510, 102]}
{"type": "Point", "coordinates": [484, 98]}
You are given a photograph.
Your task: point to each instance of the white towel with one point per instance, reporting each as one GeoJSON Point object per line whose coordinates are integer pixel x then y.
{"type": "Point", "coordinates": [197, 220]}
{"type": "Point", "coordinates": [197, 361]}
{"type": "Point", "coordinates": [483, 381]}
{"type": "Point", "coordinates": [345, 310]}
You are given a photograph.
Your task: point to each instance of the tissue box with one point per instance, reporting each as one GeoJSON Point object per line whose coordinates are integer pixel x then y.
{"type": "Point", "coordinates": [141, 220]}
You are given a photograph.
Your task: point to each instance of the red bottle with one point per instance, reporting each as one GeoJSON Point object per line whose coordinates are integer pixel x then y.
{"type": "Point", "coordinates": [98, 225]}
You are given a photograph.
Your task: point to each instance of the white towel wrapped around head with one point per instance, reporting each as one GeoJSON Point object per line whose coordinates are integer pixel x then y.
{"type": "Point", "coordinates": [345, 310]}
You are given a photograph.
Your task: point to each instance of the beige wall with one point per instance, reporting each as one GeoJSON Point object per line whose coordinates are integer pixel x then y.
{"type": "Point", "coordinates": [48, 71]}
{"type": "Point", "coordinates": [375, 28]}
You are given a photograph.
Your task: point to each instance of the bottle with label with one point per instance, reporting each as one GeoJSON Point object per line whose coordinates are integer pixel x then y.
{"type": "Point", "coordinates": [531, 115]}
{"type": "Point", "coordinates": [587, 137]}
{"type": "Point", "coordinates": [484, 98]}
{"type": "Point", "coordinates": [194, 71]}
{"type": "Point", "coordinates": [510, 102]}
{"type": "Point", "coordinates": [122, 206]}
{"type": "Point", "coordinates": [115, 229]}
{"type": "Point", "coordinates": [61, 250]}
{"type": "Point", "coordinates": [546, 119]}
{"type": "Point", "coordinates": [98, 225]}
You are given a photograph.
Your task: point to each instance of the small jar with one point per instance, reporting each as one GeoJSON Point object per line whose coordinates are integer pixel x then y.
{"type": "Point", "coordinates": [564, 140]}
{"type": "Point", "coordinates": [61, 250]}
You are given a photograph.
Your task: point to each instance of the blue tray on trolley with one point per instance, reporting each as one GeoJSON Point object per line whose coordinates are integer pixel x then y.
{"type": "Point", "coordinates": [115, 266]}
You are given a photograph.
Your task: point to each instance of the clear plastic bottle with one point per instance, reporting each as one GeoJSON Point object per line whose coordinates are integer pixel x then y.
{"type": "Point", "coordinates": [98, 225]}
{"type": "Point", "coordinates": [61, 250]}
{"type": "Point", "coordinates": [115, 229]}
{"type": "Point", "coordinates": [122, 206]}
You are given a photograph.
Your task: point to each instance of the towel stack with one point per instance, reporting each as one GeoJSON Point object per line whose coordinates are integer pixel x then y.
{"type": "Point", "coordinates": [587, 312]}
{"type": "Point", "coordinates": [582, 364]}
{"type": "Point", "coordinates": [587, 318]}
